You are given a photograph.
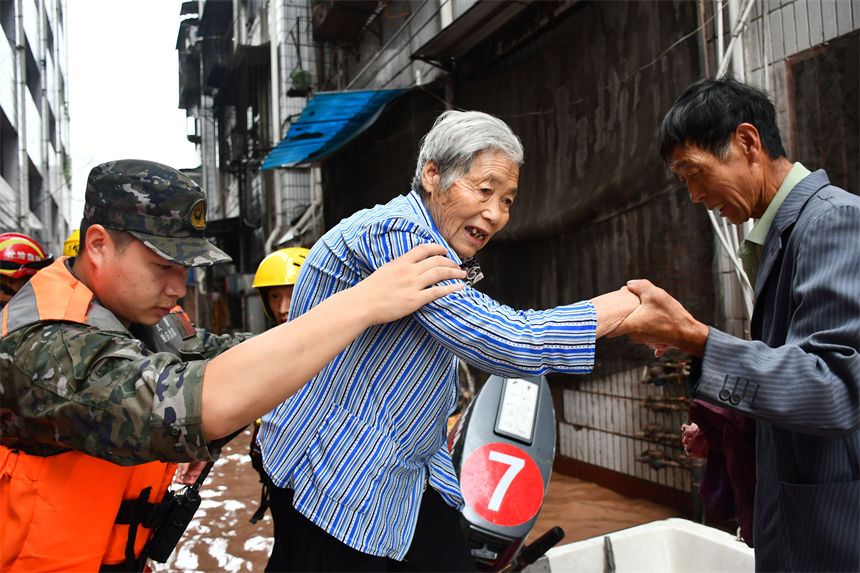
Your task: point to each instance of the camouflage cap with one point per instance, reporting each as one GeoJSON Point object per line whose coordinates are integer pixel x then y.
{"type": "Point", "coordinates": [159, 205]}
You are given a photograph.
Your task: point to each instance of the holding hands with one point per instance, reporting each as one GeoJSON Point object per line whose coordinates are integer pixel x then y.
{"type": "Point", "coordinates": [661, 322]}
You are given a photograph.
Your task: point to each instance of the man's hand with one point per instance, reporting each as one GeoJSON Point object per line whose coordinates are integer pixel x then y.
{"type": "Point", "coordinates": [694, 440]}
{"type": "Point", "coordinates": [612, 308]}
{"type": "Point", "coordinates": [662, 322]}
{"type": "Point", "coordinates": [187, 473]}
{"type": "Point", "coordinates": [407, 283]}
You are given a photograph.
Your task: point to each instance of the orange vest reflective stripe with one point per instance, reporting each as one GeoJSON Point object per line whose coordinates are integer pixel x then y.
{"type": "Point", "coordinates": [59, 295]}
{"type": "Point", "coordinates": [59, 512]}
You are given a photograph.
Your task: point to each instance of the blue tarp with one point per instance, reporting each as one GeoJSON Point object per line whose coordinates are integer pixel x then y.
{"type": "Point", "coordinates": [329, 120]}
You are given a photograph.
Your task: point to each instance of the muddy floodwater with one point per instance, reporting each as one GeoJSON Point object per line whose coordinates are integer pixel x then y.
{"type": "Point", "coordinates": [221, 538]}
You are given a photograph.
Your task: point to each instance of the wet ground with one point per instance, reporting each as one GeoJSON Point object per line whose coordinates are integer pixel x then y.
{"type": "Point", "coordinates": [221, 538]}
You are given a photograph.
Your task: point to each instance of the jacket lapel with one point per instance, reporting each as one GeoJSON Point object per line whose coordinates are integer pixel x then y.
{"type": "Point", "coordinates": [785, 219]}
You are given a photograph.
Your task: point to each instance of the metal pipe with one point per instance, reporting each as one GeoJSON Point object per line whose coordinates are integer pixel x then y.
{"type": "Point", "coordinates": [276, 58]}
{"type": "Point", "coordinates": [767, 49]}
{"type": "Point", "coordinates": [737, 54]}
{"type": "Point", "coordinates": [47, 173]}
{"type": "Point", "coordinates": [446, 13]}
{"type": "Point", "coordinates": [703, 40]}
{"type": "Point", "coordinates": [739, 25]}
{"type": "Point", "coordinates": [742, 276]}
{"type": "Point", "coordinates": [718, 23]}
{"type": "Point", "coordinates": [22, 205]}
{"type": "Point", "coordinates": [291, 185]}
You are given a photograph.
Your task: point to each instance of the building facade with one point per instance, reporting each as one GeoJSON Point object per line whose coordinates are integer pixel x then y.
{"type": "Point", "coordinates": [35, 168]}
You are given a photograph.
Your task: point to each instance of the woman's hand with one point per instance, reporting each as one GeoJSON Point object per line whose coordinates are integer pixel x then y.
{"type": "Point", "coordinates": [312, 339]}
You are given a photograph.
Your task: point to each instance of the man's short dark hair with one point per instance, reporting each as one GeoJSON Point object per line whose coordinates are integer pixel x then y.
{"type": "Point", "coordinates": [710, 110]}
{"type": "Point", "coordinates": [122, 238]}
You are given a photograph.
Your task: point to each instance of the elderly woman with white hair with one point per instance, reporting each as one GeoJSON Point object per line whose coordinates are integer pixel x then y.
{"type": "Point", "coordinates": [353, 452]}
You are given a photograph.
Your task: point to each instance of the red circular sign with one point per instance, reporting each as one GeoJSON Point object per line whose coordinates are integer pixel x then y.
{"type": "Point", "coordinates": [502, 484]}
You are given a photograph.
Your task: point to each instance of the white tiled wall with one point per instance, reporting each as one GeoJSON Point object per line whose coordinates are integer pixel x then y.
{"type": "Point", "coordinates": [794, 26]}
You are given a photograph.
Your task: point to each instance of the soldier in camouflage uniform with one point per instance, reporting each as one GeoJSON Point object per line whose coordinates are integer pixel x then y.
{"type": "Point", "coordinates": [90, 412]}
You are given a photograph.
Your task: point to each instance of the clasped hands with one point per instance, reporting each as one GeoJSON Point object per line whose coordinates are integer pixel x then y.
{"type": "Point", "coordinates": [659, 321]}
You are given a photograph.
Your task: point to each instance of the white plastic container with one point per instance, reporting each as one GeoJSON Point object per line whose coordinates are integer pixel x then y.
{"type": "Point", "coordinates": [662, 546]}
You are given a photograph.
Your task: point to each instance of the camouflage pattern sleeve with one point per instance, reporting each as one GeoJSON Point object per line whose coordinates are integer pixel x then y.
{"type": "Point", "coordinates": [212, 345]}
{"type": "Point", "coordinates": [68, 386]}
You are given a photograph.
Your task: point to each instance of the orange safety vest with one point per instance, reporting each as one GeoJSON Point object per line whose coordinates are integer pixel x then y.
{"type": "Point", "coordinates": [71, 511]}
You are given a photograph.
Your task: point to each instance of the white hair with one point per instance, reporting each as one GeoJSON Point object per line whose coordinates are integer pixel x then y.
{"type": "Point", "coordinates": [456, 138]}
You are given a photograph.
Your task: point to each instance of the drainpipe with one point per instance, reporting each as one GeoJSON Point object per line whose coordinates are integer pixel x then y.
{"type": "Point", "coordinates": [309, 215]}
{"type": "Point", "coordinates": [718, 24]}
{"type": "Point", "coordinates": [737, 52]}
{"type": "Point", "coordinates": [287, 182]}
{"type": "Point", "coordinates": [446, 13]}
{"type": "Point", "coordinates": [276, 51]}
{"type": "Point", "coordinates": [46, 195]}
{"type": "Point", "coordinates": [737, 28]}
{"type": "Point", "coordinates": [23, 200]}
{"type": "Point", "coordinates": [703, 40]}
{"type": "Point", "coordinates": [63, 125]}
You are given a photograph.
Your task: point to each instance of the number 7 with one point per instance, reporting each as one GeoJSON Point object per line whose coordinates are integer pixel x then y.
{"type": "Point", "coordinates": [515, 465]}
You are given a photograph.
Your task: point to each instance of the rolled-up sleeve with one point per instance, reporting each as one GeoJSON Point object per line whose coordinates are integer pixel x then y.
{"type": "Point", "coordinates": [107, 396]}
{"type": "Point", "coordinates": [488, 335]}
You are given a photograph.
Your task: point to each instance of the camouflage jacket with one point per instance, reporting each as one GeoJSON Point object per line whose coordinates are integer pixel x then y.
{"type": "Point", "coordinates": [91, 386]}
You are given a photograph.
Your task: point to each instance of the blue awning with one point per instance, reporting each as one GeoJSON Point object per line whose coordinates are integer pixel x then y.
{"type": "Point", "coordinates": [329, 120]}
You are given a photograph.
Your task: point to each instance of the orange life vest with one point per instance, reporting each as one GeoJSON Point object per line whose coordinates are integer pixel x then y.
{"type": "Point", "coordinates": [71, 511]}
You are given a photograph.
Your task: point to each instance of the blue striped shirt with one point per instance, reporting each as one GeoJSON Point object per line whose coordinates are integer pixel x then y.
{"type": "Point", "coordinates": [359, 442]}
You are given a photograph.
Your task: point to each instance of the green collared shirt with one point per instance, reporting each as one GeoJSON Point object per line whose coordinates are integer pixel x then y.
{"type": "Point", "coordinates": [750, 250]}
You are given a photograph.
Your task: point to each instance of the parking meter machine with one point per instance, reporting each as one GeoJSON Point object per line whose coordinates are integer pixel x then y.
{"type": "Point", "coordinates": [503, 447]}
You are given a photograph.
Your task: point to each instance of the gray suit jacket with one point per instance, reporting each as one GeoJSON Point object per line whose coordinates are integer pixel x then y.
{"type": "Point", "coordinates": [800, 379]}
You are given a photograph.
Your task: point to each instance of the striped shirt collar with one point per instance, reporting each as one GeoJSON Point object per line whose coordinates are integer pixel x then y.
{"type": "Point", "coordinates": [470, 265]}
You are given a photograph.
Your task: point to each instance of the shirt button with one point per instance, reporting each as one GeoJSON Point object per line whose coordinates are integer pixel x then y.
{"type": "Point", "coordinates": [181, 367]}
{"type": "Point", "coordinates": [735, 399]}
{"type": "Point", "coordinates": [174, 431]}
{"type": "Point", "coordinates": [724, 395]}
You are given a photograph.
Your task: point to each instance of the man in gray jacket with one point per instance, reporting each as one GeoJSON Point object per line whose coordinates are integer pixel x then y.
{"type": "Point", "coordinates": [799, 377]}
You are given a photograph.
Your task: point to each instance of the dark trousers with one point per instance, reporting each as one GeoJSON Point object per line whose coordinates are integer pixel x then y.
{"type": "Point", "coordinates": [438, 544]}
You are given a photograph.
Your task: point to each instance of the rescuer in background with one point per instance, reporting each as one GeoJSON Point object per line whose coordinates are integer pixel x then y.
{"type": "Point", "coordinates": [20, 258]}
{"type": "Point", "coordinates": [72, 244]}
{"type": "Point", "coordinates": [275, 279]}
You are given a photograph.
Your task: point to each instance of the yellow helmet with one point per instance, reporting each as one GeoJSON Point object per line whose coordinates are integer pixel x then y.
{"type": "Point", "coordinates": [73, 242]}
{"type": "Point", "coordinates": [280, 268]}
